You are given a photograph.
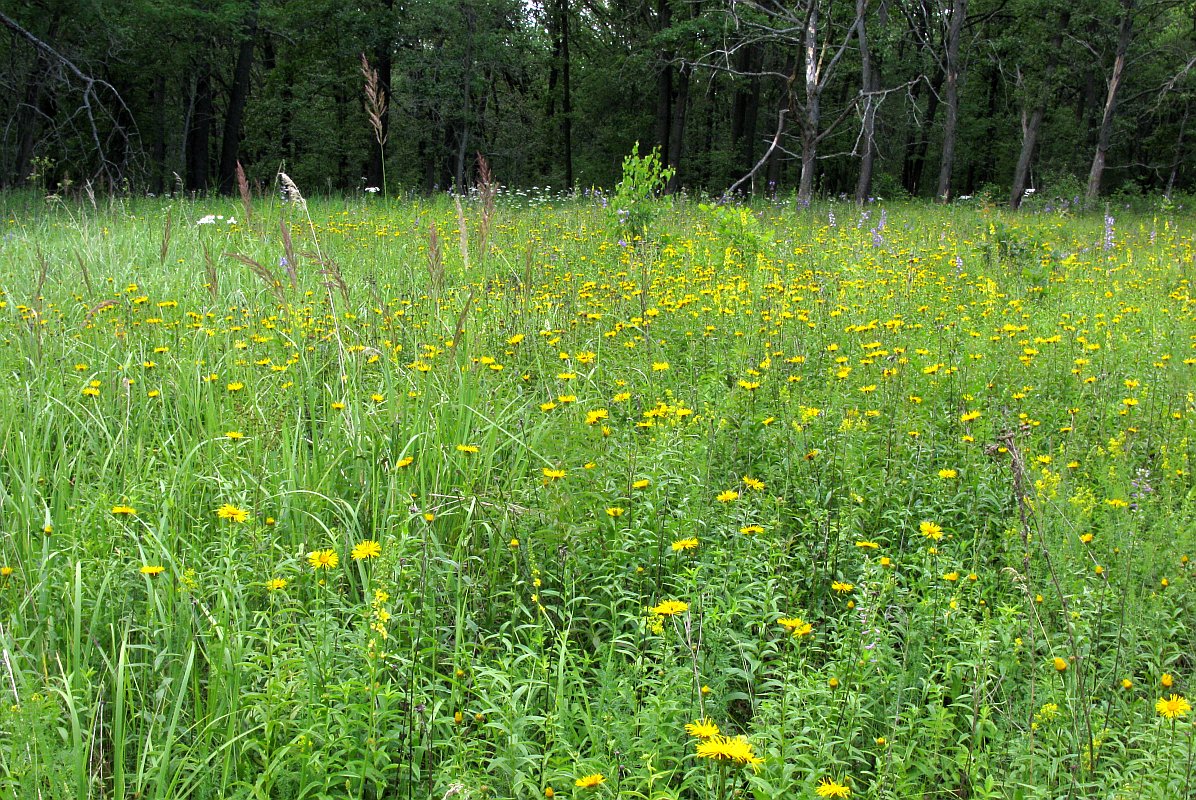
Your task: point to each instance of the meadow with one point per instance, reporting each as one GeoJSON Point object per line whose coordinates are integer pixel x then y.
{"type": "Point", "coordinates": [522, 497]}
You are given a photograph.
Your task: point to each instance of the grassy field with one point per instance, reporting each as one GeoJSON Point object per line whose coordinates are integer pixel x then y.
{"type": "Point", "coordinates": [339, 500]}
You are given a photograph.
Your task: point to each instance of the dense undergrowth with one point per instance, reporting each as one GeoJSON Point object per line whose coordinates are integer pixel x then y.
{"type": "Point", "coordinates": [357, 505]}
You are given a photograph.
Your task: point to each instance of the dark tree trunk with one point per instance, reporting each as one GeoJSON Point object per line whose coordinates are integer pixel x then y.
{"type": "Point", "coordinates": [959, 12]}
{"type": "Point", "coordinates": [199, 132]}
{"type": "Point", "coordinates": [231, 142]}
{"type": "Point", "coordinates": [664, 79]}
{"type": "Point", "coordinates": [869, 84]}
{"type": "Point", "coordinates": [1124, 36]}
{"type": "Point", "coordinates": [677, 127]}
{"type": "Point", "coordinates": [918, 163]}
{"type": "Point", "coordinates": [1030, 128]}
{"type": "Point", "coordinates": [158, 148]}
{"type": "Point", "coordinates": [1179, 152]}
{"type": "Point", "coordinates": [566, 94]}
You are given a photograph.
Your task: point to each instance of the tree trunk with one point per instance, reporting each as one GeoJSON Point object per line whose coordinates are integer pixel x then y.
{"type": "Point", "coordinates": [959, 11]}
{"type": "Point", "coordinates": [231, 142]}
{"type": "Point", "coordinates": [158, 148]}
{"type": "Point", "coordinates": [677, 127]}
{"type": "Point", "coordinates": [869, 81]}
{"type": "Point", "coordinates": [918, 163]}
{"type": "Point", "coordinates": [199, 132]}
{"type": "Point", "coordinates": [1032, 124]}
{"type": "Point", "coordinates": [1179, 152]}
{"type": "Point", "coordinates": [811, 114]}
{"type": "Point", "coordinates": [664, 80]}
{"type": "Point", "coordinates": [1030, 127]}
{"type": "Point", "coordinates": [1124, 36]}
{"type": "Point", "coordinates": [566, 95]}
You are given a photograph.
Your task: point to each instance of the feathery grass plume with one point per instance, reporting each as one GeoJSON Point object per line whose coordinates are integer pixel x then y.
{"type": "Point", "coordinates": [265, 273]}
{"type": "Point", "coordinates": [464, 231]}
{"type": "Point", "coordinates": [375, 107]}
{"type": "Point", "coordinates": [435, 261]}
{"type": "Point", "coordinates": [375, 100]}
{"type": "Point", "coordinates": [213, 276]}
{"type": "Point", "coordinates": [166, 238]}
{"type": "Point", "coordinates": [289, 254]}
{"type": "Point", "coordinates": [246, 198]}
{"type": "Point", "coordinates": [290, 192]}
{"type": "Point", "coordinates": [488, 194]}
{"type": "Point", "coordinates": [333, 277]}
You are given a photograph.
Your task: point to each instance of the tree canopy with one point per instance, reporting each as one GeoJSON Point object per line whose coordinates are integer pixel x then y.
{"type": "Point", "coordinates": [934, 98]}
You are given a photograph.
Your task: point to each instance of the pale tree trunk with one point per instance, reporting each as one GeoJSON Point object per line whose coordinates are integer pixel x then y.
{"type": "Point", "coordinates": [863, 186]}
{"type": "Point", "coordinates": [959, 12]}
{"type": "Point", "coordinates": [811, 116]}
{"type": "Point", "coordinates": [1124, 36]}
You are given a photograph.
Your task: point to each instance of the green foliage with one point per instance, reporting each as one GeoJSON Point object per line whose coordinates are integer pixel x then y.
{"type": "Point", "coordinates": [636, 201]}
{"type": "Point", "coordinates": [757, 418]}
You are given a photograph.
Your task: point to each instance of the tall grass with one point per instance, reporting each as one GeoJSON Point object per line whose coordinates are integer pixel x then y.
{"type": "Point", "coordinates": [548, 433]}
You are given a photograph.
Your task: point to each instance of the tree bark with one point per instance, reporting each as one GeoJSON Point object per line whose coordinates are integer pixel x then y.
{"type": "Point", "coordinates": [1179, 152]}
{"type": "Point", "coordinates": [199, 132]}
{"type": "Point", "coordinates": [1125, 35]}
{"type": "Point", "coordinates": [959, 11]}
{"type": "Point", "coordinates": [664, 79]}
{"type": "Point", "coordinates": [566, 95]}
{"type": "Point", "coordinates": [1032, 123]}
{"type": "Point", "coordinates": [677, 127]}
{"type": "Point", "coordinates": [811, 114]}
{"type": "Point", "coordinates": [231, 141]}
{"type": "Point", "coordinates": [869, 81]}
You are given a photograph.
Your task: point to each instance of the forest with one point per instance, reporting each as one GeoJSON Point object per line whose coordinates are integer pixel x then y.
{"type": "Point", "coordinates": [863, 98]}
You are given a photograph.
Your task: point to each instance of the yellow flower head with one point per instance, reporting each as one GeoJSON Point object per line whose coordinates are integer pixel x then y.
{"type": "Point", "coordinates": [728, 748]}
{"type": "Point", "coordinates": [702, 729]}
{"type": "Point", "coordinates": [684, 544]}
{"type": "Point", "coordinates": [796, 625]}
{"type": "Point", "coordinates": [152, 569]}
{"type": "Point", "coordinates": [366, 549]}
{"type": "Point", "coordinates": [831, 788]}
{"type": "Point", "coordinates": [1173, 707]}
{"type": "Point", "coordinates": [590, 781]}
{"type": "Point", "coordinates": [1060, 664]}
{"type": "Point", "coordinates": [670, 608]}
{"type": "Point", "coordinates": [231, 512]}
{"type": "Point", "coordinates": [323, 559]}
{"type": "Point", "coordinates": [930, 530]}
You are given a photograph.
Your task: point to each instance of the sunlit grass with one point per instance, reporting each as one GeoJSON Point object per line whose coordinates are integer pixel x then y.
{"type": "Point", "coordinates": [901, 496]}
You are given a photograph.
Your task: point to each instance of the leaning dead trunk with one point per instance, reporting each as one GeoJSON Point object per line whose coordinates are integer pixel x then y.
{"type": "Point", "coordinates": [1124, 37]}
